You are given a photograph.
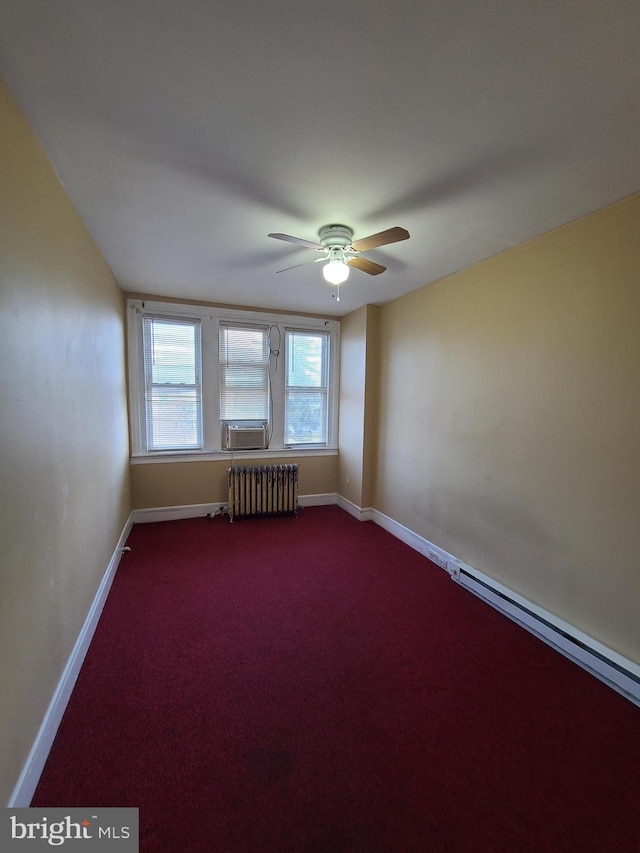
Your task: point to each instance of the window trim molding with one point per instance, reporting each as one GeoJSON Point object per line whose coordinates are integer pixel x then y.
{"type": "Point", "coordinates": [210, 318]}
{"type": "Point", "coordinates": [194, 323]}
{"type": "Point", "coordinates": [325, 387]}
{"type": "Point", "coordinates": [229, 455]}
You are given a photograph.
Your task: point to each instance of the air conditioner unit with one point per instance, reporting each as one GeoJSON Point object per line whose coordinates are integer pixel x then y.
{"type": "Point", "coordinates": [239, 437]}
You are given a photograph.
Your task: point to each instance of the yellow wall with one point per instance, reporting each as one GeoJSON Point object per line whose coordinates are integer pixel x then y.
{"type": "Point", "coordinates": [509, 429]}
{"type": "Point", "coordinates": [371, 409]}
{"type": "Point", "coordinates": [358, 404]}
{"type": "Point", "coordinates": [63, 432]}
{"type": "Point", "coordinates": [353, 343]}
{"type": "Point", "coordinates": [164, 484]}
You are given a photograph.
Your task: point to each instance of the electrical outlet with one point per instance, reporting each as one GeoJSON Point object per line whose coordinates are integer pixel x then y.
{"type": "Point", "coordinates": [454, 570]}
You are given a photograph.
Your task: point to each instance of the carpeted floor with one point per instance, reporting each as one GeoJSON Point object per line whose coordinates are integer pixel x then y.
{"type": "Point", "coordinates": [313, 684]}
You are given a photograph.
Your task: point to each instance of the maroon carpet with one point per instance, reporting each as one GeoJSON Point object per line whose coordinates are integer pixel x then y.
{"type": "Point", "coordinates": [313, 684]}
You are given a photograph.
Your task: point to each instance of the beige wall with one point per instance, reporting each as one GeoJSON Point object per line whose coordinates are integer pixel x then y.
{"type": "Point", "coordinates": [510, 420]}
{"type": "Point", "coordinates": [63, 433]}
{"type": "Point", "coordinates": [353, 344]}
{"type": "Point", "coordinates": [163, 484]}
{"type": "Point", "coordinates": [371, 409]}
{"type": "Point", "coordinates": [358, 404]}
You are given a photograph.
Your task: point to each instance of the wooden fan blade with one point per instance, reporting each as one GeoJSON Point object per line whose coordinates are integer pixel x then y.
{"type": "Point", "coordinates": [365, 265]}
{"type": "Point", "coordinates": [391, 235]}
{"type": "Point", "coordinates": [298, 240]}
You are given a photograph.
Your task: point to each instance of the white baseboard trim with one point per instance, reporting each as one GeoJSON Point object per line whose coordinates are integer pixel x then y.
{"type": "Point", "coordinates": [175, 513]}
{"type": "Point", "coordinates": [324, 499]}
{"type": "Point", "coordinates": [354, 510]}
{"type": "Point", "coordinates": [428, 549]}
{"type": "Point", "coordinates": [618, 672]}
{"type": "Point", "coordinates": [34, 765]}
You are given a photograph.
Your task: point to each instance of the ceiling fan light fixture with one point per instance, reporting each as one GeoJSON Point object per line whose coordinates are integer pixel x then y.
{"type": "Point", "coordinates": [341, 252]}
{"type": "Point", "coordinates": [336, 271]}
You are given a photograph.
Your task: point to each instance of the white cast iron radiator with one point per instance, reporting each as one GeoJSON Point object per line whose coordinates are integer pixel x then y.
{"type": "Point", "coordinates": [262, 489]}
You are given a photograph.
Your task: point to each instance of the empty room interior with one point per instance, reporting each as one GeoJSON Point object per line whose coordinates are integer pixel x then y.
{"type": "Point", "coordinates": [171, 176]}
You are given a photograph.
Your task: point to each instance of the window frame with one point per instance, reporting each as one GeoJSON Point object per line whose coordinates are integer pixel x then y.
{"type": "Point", "coordinates": [212, 426]}
{"type": "Point", "coordinates": [262, 366]}
{"type": "Point", "coordinates": [150, 385]}
{"type": "Point", "coordinates": [311, 389]}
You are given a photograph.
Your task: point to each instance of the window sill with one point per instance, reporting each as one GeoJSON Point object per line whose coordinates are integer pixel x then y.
{"type": "Point", "coordinates": [228, 455]}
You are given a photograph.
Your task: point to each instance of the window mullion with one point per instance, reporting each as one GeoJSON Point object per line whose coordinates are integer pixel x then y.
{"type": "Point", "coordinates": [172, 397]}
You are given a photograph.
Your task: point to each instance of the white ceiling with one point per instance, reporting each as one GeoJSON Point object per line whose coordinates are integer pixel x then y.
{"type": "Point", "coordinates": [186, 131]}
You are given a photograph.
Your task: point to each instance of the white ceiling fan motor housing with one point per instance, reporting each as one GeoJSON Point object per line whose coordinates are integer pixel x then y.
{"type": "Point", "coordinates": [336, 235]}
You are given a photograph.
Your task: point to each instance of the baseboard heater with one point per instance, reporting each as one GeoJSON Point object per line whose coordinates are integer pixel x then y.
{"type": "Point", "coordinates": [613, 669]}
{"type": "Point", "coordinates": [262, 490]}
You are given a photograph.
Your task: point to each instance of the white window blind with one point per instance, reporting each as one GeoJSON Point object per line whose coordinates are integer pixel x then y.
{"type": "Point", "coordinates": [244, 373]}
{"type": "Point", "coordinates": [306, 387]}
{"type": "Point", "coordinates": [173, 387]}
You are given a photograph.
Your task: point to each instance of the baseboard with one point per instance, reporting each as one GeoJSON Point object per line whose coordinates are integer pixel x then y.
{"type": "Point", "coordinates": [324, 499]}
{"type": "Point", "coordinates": [428, 549]}
{"type": "Point", "coordinates": [34, 765]}
{"type": "Point", "coordinates": [175, 513]}
{"type": "Point", "coordinates": [618, 672]}
{"type": "Point", "coordinates": [362, 514]}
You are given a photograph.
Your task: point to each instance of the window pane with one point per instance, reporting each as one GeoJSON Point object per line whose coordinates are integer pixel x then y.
{"type": "Point", "coordinates": [244, 373]}
{"type": "Point", "coordinates": [174, 419]}
{"type": "Point", "coordinates": [172, 370]}
{"type": "Point", "coordinates": [306, 417]}
{"type": "Point", "coordinates": [305, 359]}
{"type": "Point", "coordinates": [242, 344]}
{"type": "Point", "coordinates": [306, 395]}
{"type": "Point", "coordinates": [243, 395]}
{"type": "Point", "coordinates": [173, 352]}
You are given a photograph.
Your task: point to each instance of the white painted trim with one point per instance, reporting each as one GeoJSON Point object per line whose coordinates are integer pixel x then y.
{"type": "Point", "coordinates": [418, 543]}
{"type": "Point", "coordinates": [236, 457]}
{"type": "Point", "coordinates": [211, 319]}
{"type": "Point", "coordinates": [326, 499]}
{"type": "Point", "coordinates": [185, 309]}
{"type": "Point", "coordinates": [354, 510]}
{"type": "Point", "coordinates": [618, 672]}
{"type": "Point", "coordinates": [34, 765]}
{"type": "Point", "coordinates": [174, 513]}
{"type": "Point", "coordinates": [423, 546]}
{"type": "Point", "coordinates": [615, 670]}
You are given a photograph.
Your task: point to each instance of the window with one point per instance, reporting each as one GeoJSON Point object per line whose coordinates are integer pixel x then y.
{"type": "Point", "coordinates": [244, 373]}
{"type": "Point", "coordinates": [173, 410]}
{"type": "Point", "coordinates": [306, 391]}
{"type": "Point", "coordinates": [194, 371]}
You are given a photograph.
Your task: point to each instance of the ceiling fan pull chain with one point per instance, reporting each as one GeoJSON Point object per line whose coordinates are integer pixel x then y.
{"type": "Point", "coordinates": [341, 252]}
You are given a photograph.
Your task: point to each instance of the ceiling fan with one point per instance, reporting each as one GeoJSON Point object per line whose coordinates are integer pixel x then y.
{"type": "Point", "coordinates": [340, 251]}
